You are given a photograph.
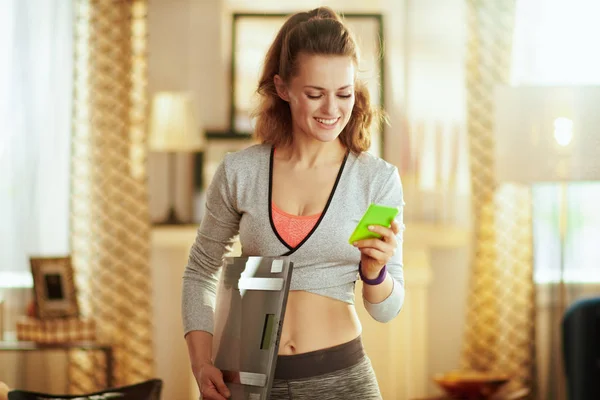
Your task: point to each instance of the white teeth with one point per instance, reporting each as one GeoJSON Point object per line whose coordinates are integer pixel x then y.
{"type": "Point", "coordinates": [327, 121]}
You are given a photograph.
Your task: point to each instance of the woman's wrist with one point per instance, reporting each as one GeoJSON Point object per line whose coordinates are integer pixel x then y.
{"type": "Point", "coordinates": [368, 279]}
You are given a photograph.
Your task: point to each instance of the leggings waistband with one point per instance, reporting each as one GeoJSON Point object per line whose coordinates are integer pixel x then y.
{"type": "Point", "coordinates": [319, 362]}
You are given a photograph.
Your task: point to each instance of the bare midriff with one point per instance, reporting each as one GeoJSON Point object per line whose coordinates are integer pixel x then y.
{"type": "Point", "coordinates": [300, 193]}
{"type": "Point", "coordinates": [314, 322]}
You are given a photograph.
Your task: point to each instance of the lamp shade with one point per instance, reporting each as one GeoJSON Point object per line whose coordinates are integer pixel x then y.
{"type": "Point", "coordinates": [174, 125]}
{"type": "Point", "coordinates": [547, 134]}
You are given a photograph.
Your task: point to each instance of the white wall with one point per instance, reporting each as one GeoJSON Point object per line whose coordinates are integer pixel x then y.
{"type": "Point", "coordinates": [436, 59]}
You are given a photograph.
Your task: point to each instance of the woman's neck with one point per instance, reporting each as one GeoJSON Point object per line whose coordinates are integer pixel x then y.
{"type": "Point", "coordinates": [312, 154]}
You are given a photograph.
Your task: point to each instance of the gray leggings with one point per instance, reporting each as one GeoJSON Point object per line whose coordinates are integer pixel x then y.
{"type": "Point", "coordinates": [341, 372]}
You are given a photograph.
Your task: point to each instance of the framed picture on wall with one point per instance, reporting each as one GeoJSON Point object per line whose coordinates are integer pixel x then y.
{"type": "Point", "coordinates": [54, 287]}
{"type": "Point", "coordinates": [252, 34]}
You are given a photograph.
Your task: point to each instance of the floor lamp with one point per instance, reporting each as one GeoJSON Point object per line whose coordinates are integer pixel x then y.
{"type": "Point", "coordinates": [547, 134]}
{"type": "Point", "coordinates": [174, 128]}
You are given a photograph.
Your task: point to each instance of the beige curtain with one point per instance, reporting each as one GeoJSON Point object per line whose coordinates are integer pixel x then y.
{"type": "Point", "coordinates": [577, 203]}
{"type": "Point", "coordinates": [109, 213]}
{"type": "Point", "coordinates": [499, 333]}
{"type": "Point", "coordinates": [551, 307]}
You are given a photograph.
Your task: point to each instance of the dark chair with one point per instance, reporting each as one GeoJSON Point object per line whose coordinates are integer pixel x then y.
{"type": "Point", "coordinates": [147, 390]}
{"type": "Point", "coordinates": [581, 349]}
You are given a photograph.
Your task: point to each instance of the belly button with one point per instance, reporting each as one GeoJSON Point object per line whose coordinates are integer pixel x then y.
{"type": "Point", "coordinates": [288, 348]}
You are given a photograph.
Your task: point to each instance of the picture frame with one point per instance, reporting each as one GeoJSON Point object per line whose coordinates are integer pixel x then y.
{"type": "Point", "coordinates": [54, 287]}
{"type": "Point", "coordinates": [252, 34]}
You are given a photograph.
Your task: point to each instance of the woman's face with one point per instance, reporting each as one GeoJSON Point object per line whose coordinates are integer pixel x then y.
{"type": "Point", "coordinates": [321, 95]}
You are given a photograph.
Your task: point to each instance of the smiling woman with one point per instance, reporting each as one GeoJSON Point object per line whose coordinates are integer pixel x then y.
{"type": "Point", "coordinates": [252, 35]}
{"type": "Point", "coordinates": [312, 170]}
{"type": "Point", "coordinates": [321, 98]}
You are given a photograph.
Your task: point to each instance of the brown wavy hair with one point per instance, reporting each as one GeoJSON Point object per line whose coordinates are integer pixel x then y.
{"type": "Point", "coordinates": [317, 32]}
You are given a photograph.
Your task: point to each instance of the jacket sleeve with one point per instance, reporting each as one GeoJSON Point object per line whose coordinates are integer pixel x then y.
{"type": "Point", "coordinates": [391, 195]}
{"type": "Point", "coordinates": [214, 239]}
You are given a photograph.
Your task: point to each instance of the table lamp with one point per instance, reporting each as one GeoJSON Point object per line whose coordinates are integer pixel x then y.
{"type": "Point", "coordinates": [547, 134]}
{"type": "Point", "coordinates": [174, 128]}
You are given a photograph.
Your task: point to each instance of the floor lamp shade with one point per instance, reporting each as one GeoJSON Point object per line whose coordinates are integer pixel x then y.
{"type": "Point", "coordinates": [174, 128]}
{"type": "Point", "coordinates": [547, 134]}
{"type": "Point", "coordinates": [174, 124]}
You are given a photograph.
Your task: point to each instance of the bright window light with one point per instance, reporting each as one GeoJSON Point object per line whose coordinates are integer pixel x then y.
{"type": "Point", "coordinates": [13, 279]}
{"type": "Point", "coordinates": [563, 131]}
{"type": "Point", "coordinates": [553, 42]}
{"type": "Point", "coordinates": [582, 253]}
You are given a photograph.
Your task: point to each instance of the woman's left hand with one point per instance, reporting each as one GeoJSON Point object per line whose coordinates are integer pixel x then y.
{"type": "Point", "coordinates": [375, 253]}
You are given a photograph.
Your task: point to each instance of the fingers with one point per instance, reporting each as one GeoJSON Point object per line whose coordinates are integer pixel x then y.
{"type": "Point", "coordinates": [380, 250]}
{"type": "Point", "coordinates": [395, 227]}
{"type": "Point", "coordinates": [379, 256]}
{"type": "Point", "coordinates": [211, 393]}
{"type": "Point", "coordinates": [215, 390]}
{"type": "Point", "coordinates": [387, 234]}
{"type": "Point", "coordinates": [388, 237]}
{"type": "Point", "coordinates": [223, 389]}
{"type": "Point", "coordinates": [213, 386]}
{"type": "Point", "coordinates": [376, 244]}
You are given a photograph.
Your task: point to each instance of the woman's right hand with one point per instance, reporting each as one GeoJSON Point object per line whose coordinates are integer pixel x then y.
{"type": "Point", "coordinates": [210, 382]}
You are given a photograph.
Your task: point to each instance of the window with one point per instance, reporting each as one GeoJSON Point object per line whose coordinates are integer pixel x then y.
{"type": "Point", "coordinates": [35, 115]}
{"type": "Point", "coordinates": [582, 239]}
{"type": "Point", "coordinates": [554, 44]}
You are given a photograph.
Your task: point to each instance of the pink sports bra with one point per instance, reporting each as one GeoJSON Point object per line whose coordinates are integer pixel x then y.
{"type": "Point", "coordinates": [293, 228]}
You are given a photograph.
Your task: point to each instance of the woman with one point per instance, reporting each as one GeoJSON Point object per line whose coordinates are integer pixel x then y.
{"type": "Point", "coordinates": [301, 193]}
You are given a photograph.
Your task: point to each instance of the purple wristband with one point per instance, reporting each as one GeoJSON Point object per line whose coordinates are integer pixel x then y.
{"type": "Point", "coordinates": [376, 281]}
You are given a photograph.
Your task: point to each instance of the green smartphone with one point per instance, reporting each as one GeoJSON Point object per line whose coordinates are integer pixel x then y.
{"type": "Point", "coordinates": [375, 215]}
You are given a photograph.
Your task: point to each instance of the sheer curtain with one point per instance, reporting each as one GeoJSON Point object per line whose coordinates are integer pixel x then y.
{"type": "Point", "coordinates": [35, 128]}
{"type": "Point", "coordinates": [555, 43]}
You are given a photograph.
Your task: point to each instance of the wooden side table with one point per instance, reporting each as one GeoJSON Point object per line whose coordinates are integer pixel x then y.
{"type": "Point", "coordinates": [107, 350]}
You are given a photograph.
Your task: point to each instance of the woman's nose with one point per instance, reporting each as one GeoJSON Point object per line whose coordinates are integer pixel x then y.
{"type": "Point", "coordinates": [330, 106]}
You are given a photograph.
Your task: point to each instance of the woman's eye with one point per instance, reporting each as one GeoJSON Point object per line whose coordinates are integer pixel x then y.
{"type": "Point", "coordinates": [318, 96]}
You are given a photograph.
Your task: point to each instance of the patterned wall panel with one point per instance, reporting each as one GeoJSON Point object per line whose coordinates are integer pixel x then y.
{"type": "Point", "coordinates": [110, 218]}
{"type": "Point", "coordinates": [499, 335]}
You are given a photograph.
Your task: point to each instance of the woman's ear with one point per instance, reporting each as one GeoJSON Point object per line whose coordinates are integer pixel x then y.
{"type": "Point", "coordinates": [281, 88]}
